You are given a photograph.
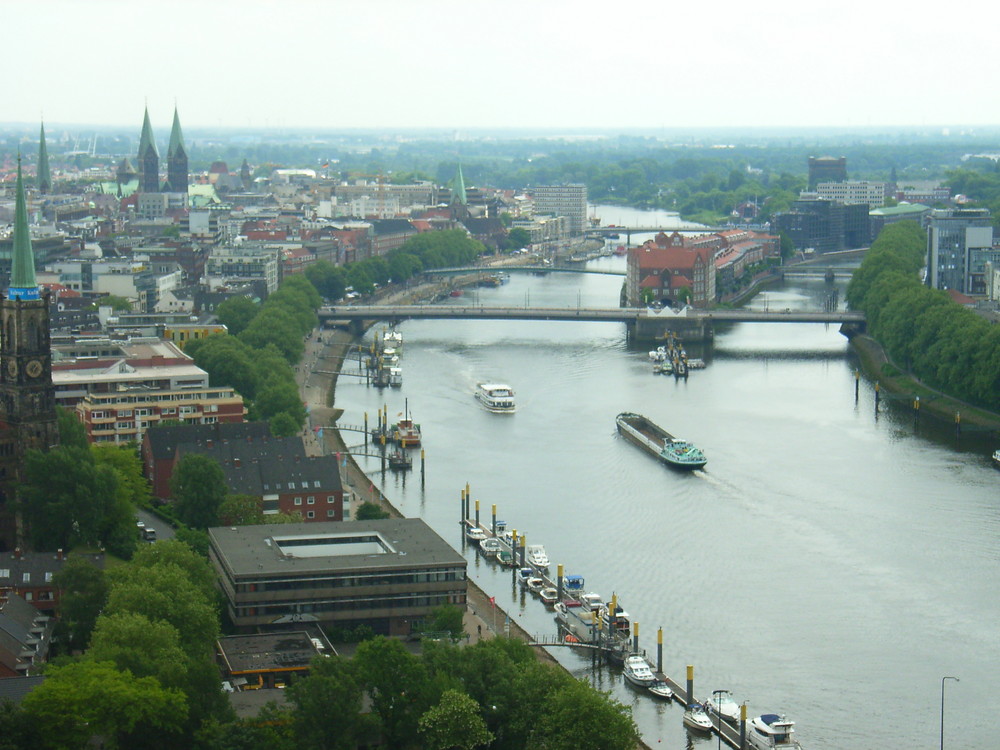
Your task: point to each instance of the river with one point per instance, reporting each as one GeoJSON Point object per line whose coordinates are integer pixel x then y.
{"type": "Point", "coordinates": [829, 563]}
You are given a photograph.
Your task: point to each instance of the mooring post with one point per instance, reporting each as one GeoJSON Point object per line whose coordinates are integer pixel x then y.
{"type": "Point", "coordinates": [690, 684]}
{"type": "Point", "coordinates": [916, 410]}
{"type": "Point", "coordinates": [743, 725]}
{"type": "Point", "coordinates": [877, 388]}
{"type": "Point", "coordinates": [461, 508]}
{"type": "Point", "coordinates": [857, 381]}
{"type": "Point", "coordinates": [524, 543]}
{"type": "Point", "coordinates": [559, 582]}
{"type": "Point", "coordinates": [477, 514]}
{"type": "Point", "coordinates": [513, 546]}
{"type": "Point", "coordinates": [421, 466]}
{"type": "Point", "coordinates": [366, 429]}
{"type": "Point", "coordinates": [465, 514]}
{"type": "Point", "coordinates": [635, 637]}
{"type": "Point", "coordinates": [493, 520]}
{"type": "Point", "coordinates": [958, 424]}
{"type": "Point", "coordinates": [659, 651]}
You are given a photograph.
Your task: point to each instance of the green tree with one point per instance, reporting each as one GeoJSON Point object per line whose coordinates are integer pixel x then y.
{"type": "Point", "coordinates": [196, 539]}
{"type": "Point", "coordinates": [72, 433]}
{"type": "Point", "coordinates": [199, 487]}
{"type": "Point", "coordinates": [327, 713]}
{"type": "Point", "coordinates": [241, 510]}
{"type": "Point", "coordinates": [83, 591]}
{"type": "Point", "coordinates": [177, 553]}
{"type": "Point", "coordinates": [447, 618]}
{"type": "Point", "coordinates": [576, 715]}
{"type": "Point", "coordinates": [284, 424]}
{"type": "Point", "coordinates": [369, 511]}
{"type": "Point", "coordinates": [397, 683]}
{"type": "Point", "coordinates": [117, 304]}
{"type": "Point", "coordinates": [236, 313]}
{"type": "Point", "coordinates": [330, 280]}
{"type": "Point", "coordinates": [89, 699]}
{"type": "Point", "coordinates": [127, 465]}
{"type": "Point", "coordinates": [455, 722]}
{"type": "Point", "coordinates": [518, 237]}
{"type": "Point", "coordinates": [134, 643]}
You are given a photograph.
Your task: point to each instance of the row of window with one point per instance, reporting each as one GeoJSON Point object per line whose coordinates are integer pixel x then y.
{"type": "Point", "coordinates": [311, 500]}
{"type": "Point", "coordinates": [352, 605]}
{"type": "Point", "coordinates": [401, 579]}
{"type": "Point", "coordinates": [167, 410]}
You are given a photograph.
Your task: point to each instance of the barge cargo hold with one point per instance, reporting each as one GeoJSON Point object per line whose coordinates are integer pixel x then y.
{"type": "Point", "coordinates": [672, 451]}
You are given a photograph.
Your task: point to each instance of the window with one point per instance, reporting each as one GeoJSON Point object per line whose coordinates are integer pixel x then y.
{"type": "Point", "coordinates": [331, 514]}
{"type": "Point", "coordinates": [311, 500]}
{"type": "Point", "coordinates": [331, 499]}
{"type": "Point", "coordinates": [27, 578]}
{"type": "Point", "coordinates": [310, 514]}
{"type": "Point", "coordinates": [298, 501]}
{"type": "Point", "coordinates": [125, 413]}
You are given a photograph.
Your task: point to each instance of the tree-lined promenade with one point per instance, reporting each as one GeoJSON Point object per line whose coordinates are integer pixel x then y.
{"type": "Point", "coordinates": [944, 345]}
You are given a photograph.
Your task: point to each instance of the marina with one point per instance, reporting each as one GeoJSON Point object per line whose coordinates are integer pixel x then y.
{"type": "Point", "coordinates": [704, 548]}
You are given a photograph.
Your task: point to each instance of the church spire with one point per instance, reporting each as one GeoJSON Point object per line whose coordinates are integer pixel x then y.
{"type": "Point", "coordinates": [22, 269]}
{"type": "Point", "coordinates": [177, 159]}
{"type": "Point", "coordinates": [149, 159]}
{"type": "Point", "coordinates": [44, 181]}
{"type": "Point", "coordinates": [458, 188]}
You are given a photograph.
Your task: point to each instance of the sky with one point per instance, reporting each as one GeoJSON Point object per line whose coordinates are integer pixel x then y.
{"type": "Point", "coordinates": [554, 64]}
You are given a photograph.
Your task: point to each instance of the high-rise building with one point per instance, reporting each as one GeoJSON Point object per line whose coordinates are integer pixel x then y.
{"type": "Point", "coordinates": [826, 169]}
{"type": "Point", "coordinates": [959, 244]}
{"type": "Point", "coordinates": [564, 200]}
{"type": "Point", "coordinates": [177, 159]}
{"type": "Point", "coordinates": [27, 398]}
{"type": "Point", "coordinates": [149, 159]}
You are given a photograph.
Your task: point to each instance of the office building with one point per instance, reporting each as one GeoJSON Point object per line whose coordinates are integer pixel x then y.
{"type": "Point", "coordinates": [959, 244]}
{"type": "Point", "coordinates": [564, 200]}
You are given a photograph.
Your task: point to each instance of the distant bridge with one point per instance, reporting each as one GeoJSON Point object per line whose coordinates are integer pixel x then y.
{"type": "Point", "coordinates": [628, 315]}
{"type": "Point", "coordinates": [608, 230]}
{"type": "Point", "coordinates": [487, 271]}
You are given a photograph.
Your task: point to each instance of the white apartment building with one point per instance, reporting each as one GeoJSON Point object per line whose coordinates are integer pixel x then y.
{"type": "Point", "coordinates": [849, 193]}
{"type": "Point", "coordinates": [243, 263]}
{"type": "Point", "coordinates": [563, 200]}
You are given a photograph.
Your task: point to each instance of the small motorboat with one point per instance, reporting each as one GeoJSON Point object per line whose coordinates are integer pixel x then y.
{"type": "Point", "coordinates": [661, 690]}
{"type": "Point", "coordinates": [475, 534]}
{"type": "Point", "coordinates": [696, 718]}
{"type": "Point", "coordinates": [771, 730]}
{"type": "Point", "coordinates": [573, 584]}
{"type": "Point", "coordinates": [534, 584]}
{"type": "Point", "coordinates": [636, 670]}
{"type": "Point", "coordinates": [535, 555]}
{"type": "Point", "coordinates": [723, 704]}
{"type": "Point", "coordinates": [523, 574]}
{"type": "Point", "coordinates": [548, 595]}
{"type": "Point", "coordinates": [506, 558]}
{"type": "Point", "coordinates": [490, 546]}
{"type": "Point", "coordinates": [996, 458]}
{"type": "Point", "coordinates": [591, 601]}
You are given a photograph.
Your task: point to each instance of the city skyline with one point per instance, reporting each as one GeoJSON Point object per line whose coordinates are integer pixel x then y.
{"type": "Point", "coordinates": [391, 64]}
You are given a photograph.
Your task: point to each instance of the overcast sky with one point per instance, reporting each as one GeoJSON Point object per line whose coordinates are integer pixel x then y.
{"type": "Point", "coordinates": [535, 63]}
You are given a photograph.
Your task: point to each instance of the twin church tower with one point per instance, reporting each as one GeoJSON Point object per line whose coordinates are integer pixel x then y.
{"type": "Point", "coordinates": [149, 160]}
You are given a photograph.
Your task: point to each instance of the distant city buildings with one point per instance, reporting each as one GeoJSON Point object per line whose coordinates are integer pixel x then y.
{"type": "Point", "coordinates": [826, 169]}
{"type": "Point", "coordinates": [872, 194]}
{"type": "Point", "coordinates": [959, 246]}
{"type": "Point", "coordinates": [563, 200]}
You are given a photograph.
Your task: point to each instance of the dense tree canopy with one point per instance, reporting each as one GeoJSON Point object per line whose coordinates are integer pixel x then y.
{"type": "Point", "coordinates": [199, 487]}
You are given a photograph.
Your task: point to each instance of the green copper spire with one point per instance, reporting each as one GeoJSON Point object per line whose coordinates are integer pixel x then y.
{"type": "Point", "coordinates": [458, 188]}
{"type": "Point", "coordinates": [146, 139]}
{"type": "Point", "coordinates": [44, 181]}
{"type": "Point", "coordinates": [176, 138]}
{"type": "Point", "coordinates": [22, 270]}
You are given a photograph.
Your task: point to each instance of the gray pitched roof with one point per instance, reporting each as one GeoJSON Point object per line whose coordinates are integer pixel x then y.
{"type": "Point", "coordinates": [14, 689]}
{"type": "Point", "coordinates": [163, 441]}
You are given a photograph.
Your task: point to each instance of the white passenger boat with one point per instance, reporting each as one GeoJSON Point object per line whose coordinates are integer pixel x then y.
{"type": "Point", "coordinates": [475, 534]}
{"type": "Point", "coordinates": [723, 704]}
{"type": "Point", "coordinates": [496, 397]}
{"type": "Point", "coordinates": [534, 554]}
{"type": "Point", "coordinates": [769, 731]}
{"type": "Point", "coordinates": [696, 718]}
{"type": "Point", "coordinates": [636, 670]}
{"type": "Point", "coordinates": [490, 546]}
{"type": "Point", "coordinates": [534, 584]}
{"type": "Point", "coordinates": [393, 339]}
{"type": "Point", "coordinates": [661, 690]}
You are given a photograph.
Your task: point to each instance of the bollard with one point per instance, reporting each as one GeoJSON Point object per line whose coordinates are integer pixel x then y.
{"type": "Point", "coordinates": [524, 543]}
{"type": "Point", "coordinates": [461, 508]}
{"type": "Point", "coordinates": [493, 523]}
{"type": "Point", "coordinates": [421, 466]}
{"type": "Point", "coordinates": [465, 513]}
{"type": "Point", "coordinates": [366, 429]}
{"type": "Point", "coordinates": [690, 683]}
{"type": "Point", "coordinates": [659, 651]}
{"type": "Point", "coordinates": [877, 389]}
{"type": "Point", "coordinates": [612, 611]}
{"type": "Point", "coordinates": [513, 547]}
{"type": "Point", "coordinates": [477, 514]}
{"type": "Point", "coordinates": [857, 381]}
{"type": "Point", "coordinates": [743, 725]}
{"type": "Point", "coordinates": [635, 637]}
{"type": "Point", "coordinates": [559, 582]}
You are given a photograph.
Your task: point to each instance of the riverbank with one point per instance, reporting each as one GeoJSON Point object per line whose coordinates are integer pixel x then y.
{"type": "Point", "coordinates": [877, 366]}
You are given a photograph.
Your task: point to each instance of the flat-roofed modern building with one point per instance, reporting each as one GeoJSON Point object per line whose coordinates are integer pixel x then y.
{"type": "Point", "coordinates": [564, 200]}
{"type": "Point", "coordinates": [388, 574]}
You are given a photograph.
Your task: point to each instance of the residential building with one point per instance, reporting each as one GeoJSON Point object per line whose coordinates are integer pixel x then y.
{"type": "Point", "coordinates": [243, 263]}
{"type": "Point", "coordinates": [124, 417]}
{"type": "Point", "coordinates": [872, 194]}
{"type": "Point", "coordinates": [665, 269]}
{"type": "Point", "coordinates": [390, 234]}
{"type": "Point", "coordinates": [25, 637]}
{"type": "Point", "coordinates": [959, 244]}
{"type": "Point", "coordinates": [563, 200]}
{"type": "Point", "coordinates": [387, 574]}
{"type": "Point", "coordinates": [30, 575]}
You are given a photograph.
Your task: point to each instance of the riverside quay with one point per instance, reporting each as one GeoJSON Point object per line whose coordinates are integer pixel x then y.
{"type": "Point", "coordinates": [388, 574]}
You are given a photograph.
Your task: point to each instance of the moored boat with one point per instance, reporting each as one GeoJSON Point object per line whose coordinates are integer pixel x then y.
{"type": "Point", "coordinates": [407, 433]}
{"type": "Point", "coordinates": [506, 558]}
{"type": "Point", "coordinates": [723, 704]}
{"type": "Point", "coordinates": [636, 670]}
{"type": "Point", "coordinates": [534, 554]}
{"type": "Point", "coordinates": [672, 451]}
{"type": "Point", "coordinates": [661, 690]}
{"type": "Point", "coordinates": [548, 595]}
{"type": "Point", "coordinates": [996, 458]}
{"type": "Point", "coordinates": [490, 546]}
{"type": "Point", "coordinates": [496, 397]}
{"type": "Point", "coordinates": [696, 718]}
{"type": "Point", "coordinates": [475, 534]}
{"type": "Point", "coordinates": [771, 730]}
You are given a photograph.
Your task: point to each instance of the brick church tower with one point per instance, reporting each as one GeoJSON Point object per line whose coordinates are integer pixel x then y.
{"type": "Point", "coordinates": [27, 397]}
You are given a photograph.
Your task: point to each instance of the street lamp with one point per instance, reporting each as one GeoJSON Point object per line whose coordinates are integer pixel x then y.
{"type": "Point", "coordinates": [942, 706]}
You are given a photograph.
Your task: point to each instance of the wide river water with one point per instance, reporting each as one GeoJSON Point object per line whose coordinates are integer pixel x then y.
{"type": "Point", "coordinates": [828, 563]}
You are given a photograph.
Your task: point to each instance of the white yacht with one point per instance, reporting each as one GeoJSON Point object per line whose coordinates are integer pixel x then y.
{"type": "Point", "coordinates": [769, 731]}
{"type": "Point", "coordinates": [696, 718]}
{"type": "Point", "coordinates": [636, 670]}
{"type": "Point", "coordinates": [496, 397]}
{"type": "Point", "coordinates": [723, 704]}
{"type": "Point", "coordinates": [475, 534]}
{"type": "Point", "coordinates": [534, 554]}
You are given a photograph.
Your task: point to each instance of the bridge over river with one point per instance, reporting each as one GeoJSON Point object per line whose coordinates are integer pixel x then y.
{"type": "Point", "coordinates": [643, 323]}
